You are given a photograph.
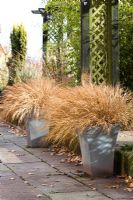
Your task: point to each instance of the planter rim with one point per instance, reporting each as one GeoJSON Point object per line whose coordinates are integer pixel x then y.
{"type": "Point", "coordinates": [96, 127]}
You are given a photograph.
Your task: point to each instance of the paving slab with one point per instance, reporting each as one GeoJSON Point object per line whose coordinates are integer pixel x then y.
{"type": "Point", "coordinates": [5, 171]}
{"type": "Point", "coordinates": [2, 139]}
{"type": "Point", "coordinates": [13, 188]}
{"type": "Point", "coordinates": [125, 137]}
{"type": "Point", "coordinates": [46, 178]}
{"type": "Point", "coordinates": [37, 168]}
{"type": "Point", "coordinates": [10, 153]}
{"type": "Point", "coordinates": [112, 187]}
{"type": "Point", "coordinates": [56, 183]}
{"type": "Point", "coordinates": [4, 128]}
{"type": "Point", "coordinates": [79, 196]}
{"type": "Point", "coordinates": [57, 161]}
{"type": "Point", "coordinates": [15, 139]}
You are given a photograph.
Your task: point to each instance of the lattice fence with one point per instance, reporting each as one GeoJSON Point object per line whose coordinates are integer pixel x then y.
{"type": "Point", "coordinates": [54, 48]}
{"type": "Point", "coordinates": [99, 41]}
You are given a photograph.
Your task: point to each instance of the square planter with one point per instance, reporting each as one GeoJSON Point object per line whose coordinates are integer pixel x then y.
{"type": "Point", "coordinates": [97, 149]}
{"type": "Point", "coordinates": [37, 130]}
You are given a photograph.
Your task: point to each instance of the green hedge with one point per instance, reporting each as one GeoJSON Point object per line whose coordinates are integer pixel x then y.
{"type": "Point", "coordinates": [126, 43]}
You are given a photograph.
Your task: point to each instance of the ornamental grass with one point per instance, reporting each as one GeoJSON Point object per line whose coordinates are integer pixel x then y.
{"type": "Point", "coordinates": [81, 107]}
{"type": "Point", "coordinates": [23, 100]}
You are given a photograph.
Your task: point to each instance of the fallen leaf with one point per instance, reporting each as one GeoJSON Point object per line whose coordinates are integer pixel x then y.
{"type": "Point", "coordinates": [129, 190]}
{"type": "Point", "coordinates": [20, 154]}
{"type": "Point", "coordinates": [43, 184]}
{"type": "Point", "coordinates": [12, 178]}
{"type": "Point", "coordinates": [51, 185]}
{"type": "Point", "coordinates": [52, 154]}
{"type": "Point", "coordinates": [13, 151]}
{"type": "Point", "coordinates": [89, 184]}
{"type": "Point", "coordinates": [93, 188]}
{"type": "Point", "coordinates": [131, 185]}
{"type": "Point", "coordinates": [115, 186]}
{"type": "Point", "coordinates": [39, 195]}
{"type": "Point", "coordinates": [62, 161]}
{"type": "Point", "coordinates": [30, 173]}
{"type": "Point", "coordinates": [26, 182]}
{"type": "Point", "coordinates": [121, 177]}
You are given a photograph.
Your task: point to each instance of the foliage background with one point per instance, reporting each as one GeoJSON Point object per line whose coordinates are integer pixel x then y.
{"type": "Point", "coordinates": [70, 52]}
{"type": "Point", "coordinates": [16, 62]}
{"type": "Point", "coordinates": [126, 43]}
{"type": "Point", "coordinates": [64, 36]}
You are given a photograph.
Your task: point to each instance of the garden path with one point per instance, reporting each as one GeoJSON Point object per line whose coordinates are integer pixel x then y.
{"type": "Point", "coordinates": [39, 173]}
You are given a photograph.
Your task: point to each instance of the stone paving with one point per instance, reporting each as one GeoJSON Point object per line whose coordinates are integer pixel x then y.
{"type": "Point", "coordinates": [31, 174]}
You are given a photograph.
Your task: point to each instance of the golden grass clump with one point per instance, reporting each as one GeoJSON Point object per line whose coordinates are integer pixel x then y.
{"type": "Point", "coordinates": [80, 107]}
{"type": "Point", "coordinates": [25, 99]}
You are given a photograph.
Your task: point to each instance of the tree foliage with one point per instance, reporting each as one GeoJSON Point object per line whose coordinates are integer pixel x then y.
{"type": "Point", "coordinates": [65, 23]}
{"type": "Point", "coordinates": [18, 38]}
{"type": "Point", "coordinates": [19, 43]}
{"type": "Point", "coordinates": [126, 43]}
{"type": "Point", "coordinates": [66, 14]}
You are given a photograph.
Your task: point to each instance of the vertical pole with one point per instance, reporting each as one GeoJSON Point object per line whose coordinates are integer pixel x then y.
{"type": "Point", "coordinates": [85, 46]}
{"type": "Point", "coordinates": [108, 71]}
{"type": "Point", "coordinates": [59, 48]}
{"type": "Point", "coordinates": [45, 38]}
{"type": "Point", "coordinates": [115, 43]}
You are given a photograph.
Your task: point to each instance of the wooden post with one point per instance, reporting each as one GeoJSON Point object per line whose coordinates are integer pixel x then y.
{"type": "Point", "coordinates": [115, 43]}
{"type": "Point", "coordinates": [108, 29]}
{"type": "Point", "coordinates": [44, 14]}
{"type": "Point", "coordinates": [85, 37]}
{"type": "Point", "coordinates": [45, 37]}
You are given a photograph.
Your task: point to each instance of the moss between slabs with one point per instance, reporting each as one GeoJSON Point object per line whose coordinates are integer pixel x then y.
{"type": "Point", "coordinates": [123, 163]}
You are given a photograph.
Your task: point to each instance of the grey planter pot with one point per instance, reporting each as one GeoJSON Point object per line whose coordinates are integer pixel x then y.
{"type": "Point", "coordinates": [97, 149]}
{"type": "Point", "coordinates": [37, 130]}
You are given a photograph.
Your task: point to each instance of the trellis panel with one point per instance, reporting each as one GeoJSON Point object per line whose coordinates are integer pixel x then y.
{"type": "Point", "coordinates": [99, 41]}
{"type": "Point", "coordinates": [103, 40]}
